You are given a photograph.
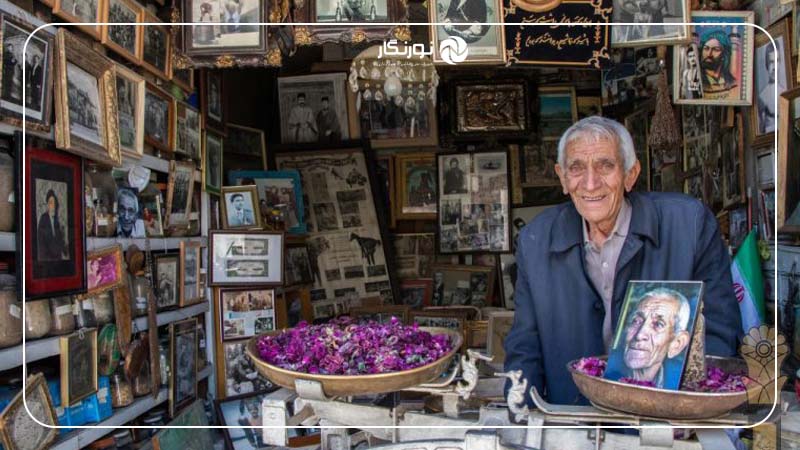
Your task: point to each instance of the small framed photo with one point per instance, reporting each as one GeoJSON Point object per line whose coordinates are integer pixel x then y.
{"type": "Point", "coordinates": [191, 289]}
{"type": "Point", "coordinates": [246, 141]}
{"type": "Point", "coordinates": [188, 131]}
{"type": "Point", "coordinates": [414, 254]}
{"type": "Point", "coordinates": [486, 44]}
{"type": "Point", "coordinates": [380, 313]}
{"type": "Point", "coordinates": [167, 273]}
{"type": "Point", "coordinates": [671, 304]}
{"type": "Point", "coordinates": [415, 175]}
{"type": "Point", "coordinates": [156, 47]}
{"type": "Point", "coordinates": [245, 37]}
{"type": "Point", "coordinates": [151, 214]}
{"type": "Point", "coordinates": [18, 429]}
{"type": "Point", "coordinates": [183, 78]}
{"type": "Point", "coordinates": [85, 114]}
{"type": "Point", "coordinates": [130, 223]}
{"type": "Point", "coordinates": [298, 265]}
{"type": "Point", "coordinates": [643, 34]}
{"type": "Point", "coordinates": [104, 269]}
{"type": "Point", "coordinates": [499, 324]}
{"type": "Point", "coordinates": [81, 11]}
{"type": "Point", "coordinates": [212, 96]}
{"type": "Point", "coordinates": [246, 312]}
{"type": "Point", "coordinates": [183, 364]}
{"type": "Point", "coordinates": [78, 365]}
{"type": "Point", "coordinates": [454, 320]}
{"type": "Point", "coordinates": [315, 108]}
{"type": "Point", "coordinates": [55, 245]}
{"type": "Point", "coordinates": [212, 162]}
{"type": "Point", "coordinates": [764, 115]}
{"type": "Point", "coordinates": [416, 294]}
{"type": "Point", "coordinates": [558, 110]}
{"type": "Point", "coordinates": [491, 108]}
{"type": "Point", "coordinates": [179, 193]}
{"type": "Point", "coordinates": [125, 40]}
{"type": "Point", "coordinates": [457, 285]}
{"type": "Point", "coordinates": [236, 373]}
{"type": "Point", "coordinates": [240, 209]}
{"type": "Point", "coordinates": [159, 125]}
{"type": "Point", "coordinates": [130, 111]}
{"type": "Point", "coordinates": [238, 411]}
{"type": "Point", "coordinates": [246, 258]}
{"type": "Point", "coordinates": [281, 190]}
{"type": "Point", "coordinates": [325, 310]}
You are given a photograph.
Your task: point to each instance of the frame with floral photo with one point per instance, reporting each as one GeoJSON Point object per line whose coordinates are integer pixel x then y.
{"type": "Point", "coordinates": [78, 365]}
{"type": "Point", "coordinates": [62, 8]}
{"type": "Point", "coordinates": [246, 312]}
{"type": "Point", "coordinates": [338, 31]}
{"type": "Point", "coordinates": [250, 218]}
{"type": "Point", "coordinates": [455, 320]}
{"type": "Point", "coordinates": [167, 278]}
{"type": "Point", "coordinates": [18, 430]}
{"type": "Point", "coordinates": [123, 11]}
{"type": "Point", "coordinates": [183, 364]}
{"type": "Point", "coordinates": [84, 88]}
{"type": "Point", "coordinates": [415, 197]}
{"type": "Point", "coordinates": [481, 108]}
{"type": "Point", "coordinates": [159, 129]}
{"type": "Point", "coordinates": [130, 111]}
{"type": "Point", "coordinates": [245, 258]}
{"type": "Point", "coordinates": [276, 187]}
{"type": "Point", "coordinates": [38, 116]}
{"type": "Point", "coordinates": [457, 285]}
{"type": "Point", "coordinates": [104, 269]}
{"type": "Point", "coordinates": [788, 186]}
{"type": "Point", "coordinates": [191, 257]}
{"type": "Point", "coordinates": [154, 59]}
{"type": "Point", "coordinates": [763, 121]}
{"type": "Point", "coordinates": [380, 313]}
{"type": "Point", "coordinates": [211, 166]}
{"type": "Point", "coordinates": [212, 103]}
{"type": "Point", "coordinates": [188, 135]}
{"type": "Point", "coordinates": [180, 186]}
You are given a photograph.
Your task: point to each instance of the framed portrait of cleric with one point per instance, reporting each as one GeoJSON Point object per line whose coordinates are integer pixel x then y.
{"type": "Point", "coordinates": [469, 20]}
{"type": "Point", "coordinates": [557, 111]}
{"type": "Point", "coordinates": [415, 190]}
{"type": "Point", "coordinates": [85, 112]}
{"type": "Point", "coordinates": [242, 258]}
{"type": "Point", "coordinates": [38, 62]}
{"type": "Point", "coordinates": [78, 358]}
{"type": "Point", "coordinates": [54, 244]}
{"type": "Point", "coordinates": [507, 263]}
{"type": "Point", "coordinates": [212, 162]}
{"type": "Point", "coordinates": [156, 47]}
{"type": "Point", "coordinates": [788, 195]}
{"type": "Point", "coordinates": [662, 313]}
{"type": "Point", "coordinates": [104, 269]}
{"type": "Point", "coordinates": [18, 429]}
{"type": "Point", "coordinates": [246, 141]}
{"type": "Point", "coordinates": [491, 108]}
{"type": "Point", "coordinates": [277, 190]}
{"type": "Point", "coordinates": [212, 95]}
{"type": "Point", "coordinates": [81, 11]}
{"type": "Point", "coordinates": [180, 186]}
{"type": "Point", "coordinates": [474, 201]}
{"type": "Point", "coordinates": [240, 208]}
{"type": "Point", "coordinates": [246, 313]}
{"type": "Point", "coordinates": [191, 288]}
{"type": "Point", "coordinates": [242, 36]}
{"type": "Point", "coordinates": [652, 21]}
{"type": "Point", "coordinates": [125, 40]}
{"type": "Point", "coordinates": [167, 279]}
{"type": "Point", "coordinates": [188, 131]}
{"type": "Point", "coordinates": [314, 108]}
{"type": "Point", "coordinates": [130, 111]}
{"type": "Point", "coordinates": [763, 118]}
{"type": "Point", "coordinates": [460, 285]}
{"type": "Point", "coordinates": [332, 19]}
{"type": "Point", "coordinates": [159, 124]}
{"type": "Point", "coordinates": [726, 73]}
{"type": "Point", "coordinates": [183, 364]}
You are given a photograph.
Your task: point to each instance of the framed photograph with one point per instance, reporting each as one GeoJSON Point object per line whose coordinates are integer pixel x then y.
{"type": "Point", "coordinates": [246, 312]}
{"type": "Point", "coordinates": [212, 95]}
{"type": "Point", "coordinates": [500, 323]}
{"type": "Point", "coordinates": [384, 173]}
{"type": "Point", "coordinates": [788, 196]}
{"type": "Point", "coordinates": [416, 294]}
{"type": "Point", "coordinates": [238, 412]}
{"type": "Point", "coordinates": [78, 365]}
{"type": "Point", "coordinates": [385, 14]}
{"type": "Point", "coordinates": [279, 190]}
{"type": "Point", "coordinates": [673, 304]}
{"type": "Point", "coordinates": [415, 252]}
{"type": "Point", "coordinates": [191, 289]}
{"type": "Point", "coordinates": [212, 163]}
{"type": "Point", "coordinates": [104, 269]}
{"type": "Point", "coordinates": [167, 272]}
{"type": "Point", "coordinates": [416, 186]}
{"type": "Point", "coordinates": [763, 117]}
{"type": "Point", "coordinates": [589, 106]}
{"type": "Point", "coordinates": [473, 214]}
{"type": "Point", "coordinates": [726, 77]}
{"type": "Point", "coordinates": [156, 47]}
{"type": "Point", "coordinates": [638, 124]}
{"type": "Point", "coordinates": [507, 263]}
{"type": "Point", "coordinates": [455, 320]}
{"type": "Point", "coordinates": [240, 209]}
{"type": "Point", "coordinates": [81, 11]}
{"type": "Point", "coordinates": [242, 36]}
{"type": "Point", "coordinates": [737, 228]}
{"type": "Point", "coordinates": [151, 214]}
{"type": "Point", "coordinates": [38, 72]}
{"type": "Point", "coordinates": [195, 434]}
{"type": "Point", "coordinates": [123, 39]}
{"type": "Point", "coordinates": [18, 430]}
{"type": "Point", "coordinates": [732, 154]}
{"type": "Point", "coordinates": [486, 44]}
{"type": "Point", "coordinates": [795, 30]}
{"type": "Point", "coordinates": [246, 258]}
{"type": "Point", "coordinates": [315, 108]}
{"type": "Point", "coordinates": [130, 221]}
{"type": "Point", "coordinates": [557, 111]}
{"type": "Point", "coordinates": [183, 78]}
{"type": "Point", "coordinates": [85, 104]}
{"type": "Point", "coordinates": [455, 285]}
{"type": "Point", "coordinates": [179, 193]}
{"type": "Point", "coordinates": [188, 131]}
{"type": "Point", "coordinates": [298, 265]}
{"type": "Point", "coordinates": [491, 108]}
{"type": "Point", "coordinates": [236, 373]}
{"type": "Point", "coordinates": [643, 14]}
{"type": "Point", "coordinates": [55, 245]}
{"type": "Point", "coordinates": [246, 141]}
{"type": "Point", "coordinates": [183, 364]}
{"type": "Point", "coordinates": [130, 111]}
{"type": "Point", "coordinates": [159, 125]}
{"type": "Point", "coordinates": [380, 313]}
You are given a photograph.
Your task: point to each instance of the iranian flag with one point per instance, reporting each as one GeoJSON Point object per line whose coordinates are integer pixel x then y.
{"type": "Point", "coordinates": [748, 284]}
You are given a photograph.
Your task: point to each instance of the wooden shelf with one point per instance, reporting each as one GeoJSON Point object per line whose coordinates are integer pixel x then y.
{"type": "Point", "coordinates": [8, 242]}
{"type": "Point", "coordinates": [156, 243]}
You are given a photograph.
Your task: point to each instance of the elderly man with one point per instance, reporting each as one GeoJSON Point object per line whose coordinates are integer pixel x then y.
{"type": "Point", "coordinates": [574, 260]}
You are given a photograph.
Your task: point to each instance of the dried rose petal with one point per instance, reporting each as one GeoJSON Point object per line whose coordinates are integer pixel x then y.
{"type": "Point", "coordinates": [591, 366]}
{"type": "Point", "coordinates": [630, 380]}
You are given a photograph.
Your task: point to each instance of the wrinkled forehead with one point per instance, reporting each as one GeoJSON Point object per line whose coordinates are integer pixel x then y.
{"type": "Point", "coordinates": [662, 305]}
{"type": "Point", "coordinates": [591, 147]}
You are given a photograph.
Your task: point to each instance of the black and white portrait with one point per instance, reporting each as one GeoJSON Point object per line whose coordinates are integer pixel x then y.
{"type": "Point", "coordinates": [691, 81]}
{"type": "Point", "coordinates": [213, 161]}
{"type": "Point", "coordinates": [190, 271]}
{"type": "Point", "coordinates": [352, 11]}
{"type": "Point", "coordinates": [241, 376]}
{"type": "Point", "coordinates": [180, 193]}
{"type": "Point", "coordinates": [129, 218]}
{"type": "Point", "coordinates": [767, 60]}
{"type": "Point", "coordinates": [650, 17]}
{"type": "Point", "coordinates": [52, 235]}
{"type": "Point", "coordinates": [83, 97]}
{"type": "Point", "coordinates": [238, 17]}
{"type": "Point", "coordinates": [239, 414]}
{"type": "Point", "coordinates": [156, 123]}
{"type": "Point", "coordinates": [455, 174]}
{"type": "Point", "coordinates": [37, 66]}
{"type": "Point", "coordinates": [155, 47]}
{"type": "Point", "coordinates": [187, 131]}
{"type": "Point", "coordinates": [313, 109]}
{"type": "Point", "coordinates": [298, 266]}
{"type": "Point", "coordinates": [122, 35]}
{"type": "Point", "coordinates": [84, 10]}
{"type": "Point", "coordinates": [214, 95]}
{"type": "Point", "coordinates": [240, 209]}
{"type": "Point", "coordinates": [186, 369]}
{"type": "Point", "coordinates": [470, 20]}
{"type": "Point", "coordinates": [167, 281]}
{"type": "Point", "coordinates": [403, 116]}
{"type": "Point", "coordinates": [126, 112]}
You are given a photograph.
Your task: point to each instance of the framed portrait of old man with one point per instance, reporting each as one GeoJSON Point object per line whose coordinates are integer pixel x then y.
{"type": "Point", "coordinates": [724, 60]}
{"type": "Point", "coordinates": [653, 21]}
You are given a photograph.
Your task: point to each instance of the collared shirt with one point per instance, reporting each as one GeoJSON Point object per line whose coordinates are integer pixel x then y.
{"type": "Point", "coordinates": [601, 263]}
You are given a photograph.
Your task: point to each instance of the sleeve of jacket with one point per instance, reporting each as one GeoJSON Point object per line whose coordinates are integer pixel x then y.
{"type": "Point", "coordinates": [522, 344]}
{"type": "Point", "coordinates": [713, 266]}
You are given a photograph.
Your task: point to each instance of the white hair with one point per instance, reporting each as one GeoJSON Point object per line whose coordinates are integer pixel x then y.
{"type": "Point", "coordinates": [596, 128]}
{"type": "Point", "coordinates": [684, 309]}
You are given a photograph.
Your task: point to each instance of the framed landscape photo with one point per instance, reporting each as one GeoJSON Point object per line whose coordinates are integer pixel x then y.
{"type": "Point", "coordinates": [18, 430]}
{"type": "Point", "coordinates": [159, 125]}
{"type": "Point", "coordinates": [180, 187]}
{"type": "Point", "coordinates": [245, 258]}
{"type": "Point", "coordinates": [244, 36]}
{"type": "Point", "coordinates": [281, 190]}
{"type": "Point", "coordinates": [39, 74]}
{"type": "Point", "coordinates": [458, 285]}
{"type": "Point", "coordinates": [78, 365]}
{"type": "Point", "coordinates": [188, 131]}
{"type": "Point", "coordinates": [246, 141]}
{"type": "Point", "coordinates": [81, 11]}
{"type": "Point", "coordinates": [764, 113]}
{"type": "Point", "coordinates": [212, 94]}
{"type": "Point", "coordinates": [314, 108]}
{"type": "Point", "coordinates": [558, 110]}
{"type": "Point", "coordinates": [54, 245]}
{"type": "Point", "coordinates": [104, 269]}
{"type": "Point", "coordinates": [183, 364]}
{"type": "Point", "coordinates": [500, 107]}
{"type": "Point", "coordinates": [212, 163]}
{"type": "Point", "coordinates": [240, 209]}
{"type": "Point", "coordinates": [246, 312]}
{"type": "Point", "coordinates": [130, 111]}
{"type": "Point", "coordinates": [126, 40]}
{"type": "Point", "coordinates": [475, 23]}
{"type": "Point", "coordinates": [167, 280]}
{"type": "Point", "coordinates": [415, 176]}
{"type": "Point", "coordinates": [156, 47]}
{"type": "Point", "coordinates": [86, 108]}
{"type": "Point", "coordinates": [191, 288]}
{"type": "Point", "coordinates": [653, 23]}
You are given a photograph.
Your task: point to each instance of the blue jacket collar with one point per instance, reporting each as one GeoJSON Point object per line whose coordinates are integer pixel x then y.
{"type": "Point", "coordinates": [644, 222]}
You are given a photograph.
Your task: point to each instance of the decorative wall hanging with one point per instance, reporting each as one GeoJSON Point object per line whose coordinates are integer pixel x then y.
{"type": "Point", "coordinates": [643, 14]}
{"type": "Point", "coordinates": [336, 14]}
{"type": "Point", "coordinates": [469, 21]}
{"type": "Point", "coordinates": [491, 107]}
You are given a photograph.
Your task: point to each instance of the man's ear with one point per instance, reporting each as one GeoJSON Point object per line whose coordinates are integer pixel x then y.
{"type": "Point", "coordinates": [679, 342]}
{"type": "Point", "coordinates": [632, 176]}
{"type": "Point", "coordinates": [561, 178]}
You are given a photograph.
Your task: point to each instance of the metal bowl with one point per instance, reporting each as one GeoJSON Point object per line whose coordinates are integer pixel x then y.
{"type": "Point", "coordinates": [346, 385]}
{"type": "Point", "coordinates": [661, 403]}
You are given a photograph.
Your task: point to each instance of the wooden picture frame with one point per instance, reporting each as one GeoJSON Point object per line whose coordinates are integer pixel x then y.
{"type": "Point", "coordinates": [552, 99]}
{"type": "Point", "coordinates": [151, 214]}
{"type": "Point", "coordinates": [487, 108]}
{"type": "Point", "coordinates": [788, 185]}
{"type": "Point", "coordinates": [191, 257]}
{"type": "Point", "coordinates": [246, 312]}
{"type": "Point", "coordinates": [188, 135]}
{"type": "Point", "coordinates": [304, 96]}
{"type": "Point", "coordinates": [246, 141]}
{"type": "Point", "coordinates": [416, 300]}
{"type": "Point", "coordinates": [181, 179]}
{"type": "Point", "coordinates": [385, 28]}
{"type": "Point", "coordinates": [62, 8]}
{"type": "Point", "coordinates": [212, 165]}
{"type": "Point", "coordinates": [78, 365]}
{"type": "Point", "coordinates": [499, 324]}
{"type": "Point", "coordinates": [633, 35]}
{"type": "Point", "coordinates": [183, 364]}
{"type": "Point", "coordinates": [381, 313]}
{"type": "Point", "coordinates": [257, 254]}
{"type": "Point", "coordinates": [761, 131]}
{"type": "Point", "coordinates": [98, 139]}
{"type": "Point", "coordinates": [249, 196]}
{"type": "Point", "coordinates": [167, 282]}
{"type": "Point", "coordinates": [419, 167]}
{"type": "Point", "coordinates": [130, 111]}
{"type": "Point", "coordinates": [150, 58]}
{"type": "Point", "coordinates": [276, 188]}
{"type": "Point", "coordinates": [493, 13]}
{"type": "Point", "coordinates": [456, 320]}
{"type": "Point", "coordinates": [233, 352]}
{"type": "Point", "coordinates": [212, 103]}
{"type": "Point", "coordinates": [185, 82]}
{"type": "Point", "coordinates": [468, 291]}
{"type": "Point", "coordinates": [297, 265]}
{"type": "Point", "coordinates": [111, 39]}
{"type": "Point", "coordinates": [191, 35]}
{"type": "Point", "coordinates": [18, 430]}
{"type": "Point", "coordinates": [159, 129]}
{"type": "Point", "coordinates": [104, 269]}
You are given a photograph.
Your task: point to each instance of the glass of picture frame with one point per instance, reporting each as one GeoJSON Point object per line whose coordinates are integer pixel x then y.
{"type": "Point", "coordinates": [245, 37]}
{"type": "Point", "coordinates": [188, 131]}
{"type": "Point", "coordinates": [246, 141]}
{"type": "Point", "coordinates": [763, 119]}
{"type": "Point", "coordinates": [332, 18]}
{"type": "Point", "coordinates": [212, 101]}
{"type": "Point", "coordinates": [183, 364]}
{"type": "Point", "coordinates": [455, 285]}
{"type": "Point", "coordinates": [156, 47]}
{"type": "Point", "coordinates": [18, 430]}
{"type": "Point", "coordinates": [476, 24]}
{"type": "Point", "coordinates": [246, 312]}
{"type": "Point", "coordinates": [78, 354]}
{"type": "Point", "coordinates": [652, 25]}
{"type": "Point", "coordinates": [190, 288]}
{"type": "Point", "coordinates": [298, 265]}
{"type": "Point", "coordinates": [159, 124]}
{"type": "Point", "coordinates": [246, 258]}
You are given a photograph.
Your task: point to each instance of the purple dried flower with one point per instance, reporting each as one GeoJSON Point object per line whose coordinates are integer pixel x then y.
{"type": "Point", "coordinates": [591, 366]}
{"type": "Point", "coordinates": [630, 380]}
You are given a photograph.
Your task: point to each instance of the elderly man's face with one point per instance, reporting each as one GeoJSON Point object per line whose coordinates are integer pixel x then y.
{"type": "Point", "coordinates": [651, 336]}
{"type": "Point", "coordinates": [595, 178]}
{"type": "Point", "coordinates": [127, 212]}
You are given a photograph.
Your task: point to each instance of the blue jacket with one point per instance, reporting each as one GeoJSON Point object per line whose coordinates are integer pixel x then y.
{"type": "Point", "coordinates": [559, 313]}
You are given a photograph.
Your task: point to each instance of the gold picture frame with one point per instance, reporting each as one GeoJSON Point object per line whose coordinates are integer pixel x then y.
{"type": "Point", "coordinates": [100, 276]}
{"type": "Point", "coordinates": [145, 57]}
{"type": "Point", "coordinates": [180, 174]}
{"type": "Point", "coordinates": [182, 343]}
{"type": "Point", "coordinates": [228, 193]}
{"type": "Point", "coordinates": [166, 143]}
{"type": "Point", "coordinates": [441, 298]}
{"type": "Point", "coordinates": [60, 9]}
{"type": "Point", "coordinates": [37, 437]}
{"type": "Point", "coordinates": [185, 297]}
{"type": "Point", "coordinates": [107, 36]}
{"type": "Point", "coordinates": [78, 352]}
{"type": "Point", "coordinates": [404, 163]}
{"type": "Point", "coordinates": [123, 109]}
{"type": "Point", "coordinates": [71, 52]}
{"type": "Point", "coordinates": [496, 13]}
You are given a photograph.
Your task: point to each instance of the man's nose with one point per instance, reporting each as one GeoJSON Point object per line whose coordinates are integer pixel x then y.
{"type": "Point", "coordinates": [591, 179]}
